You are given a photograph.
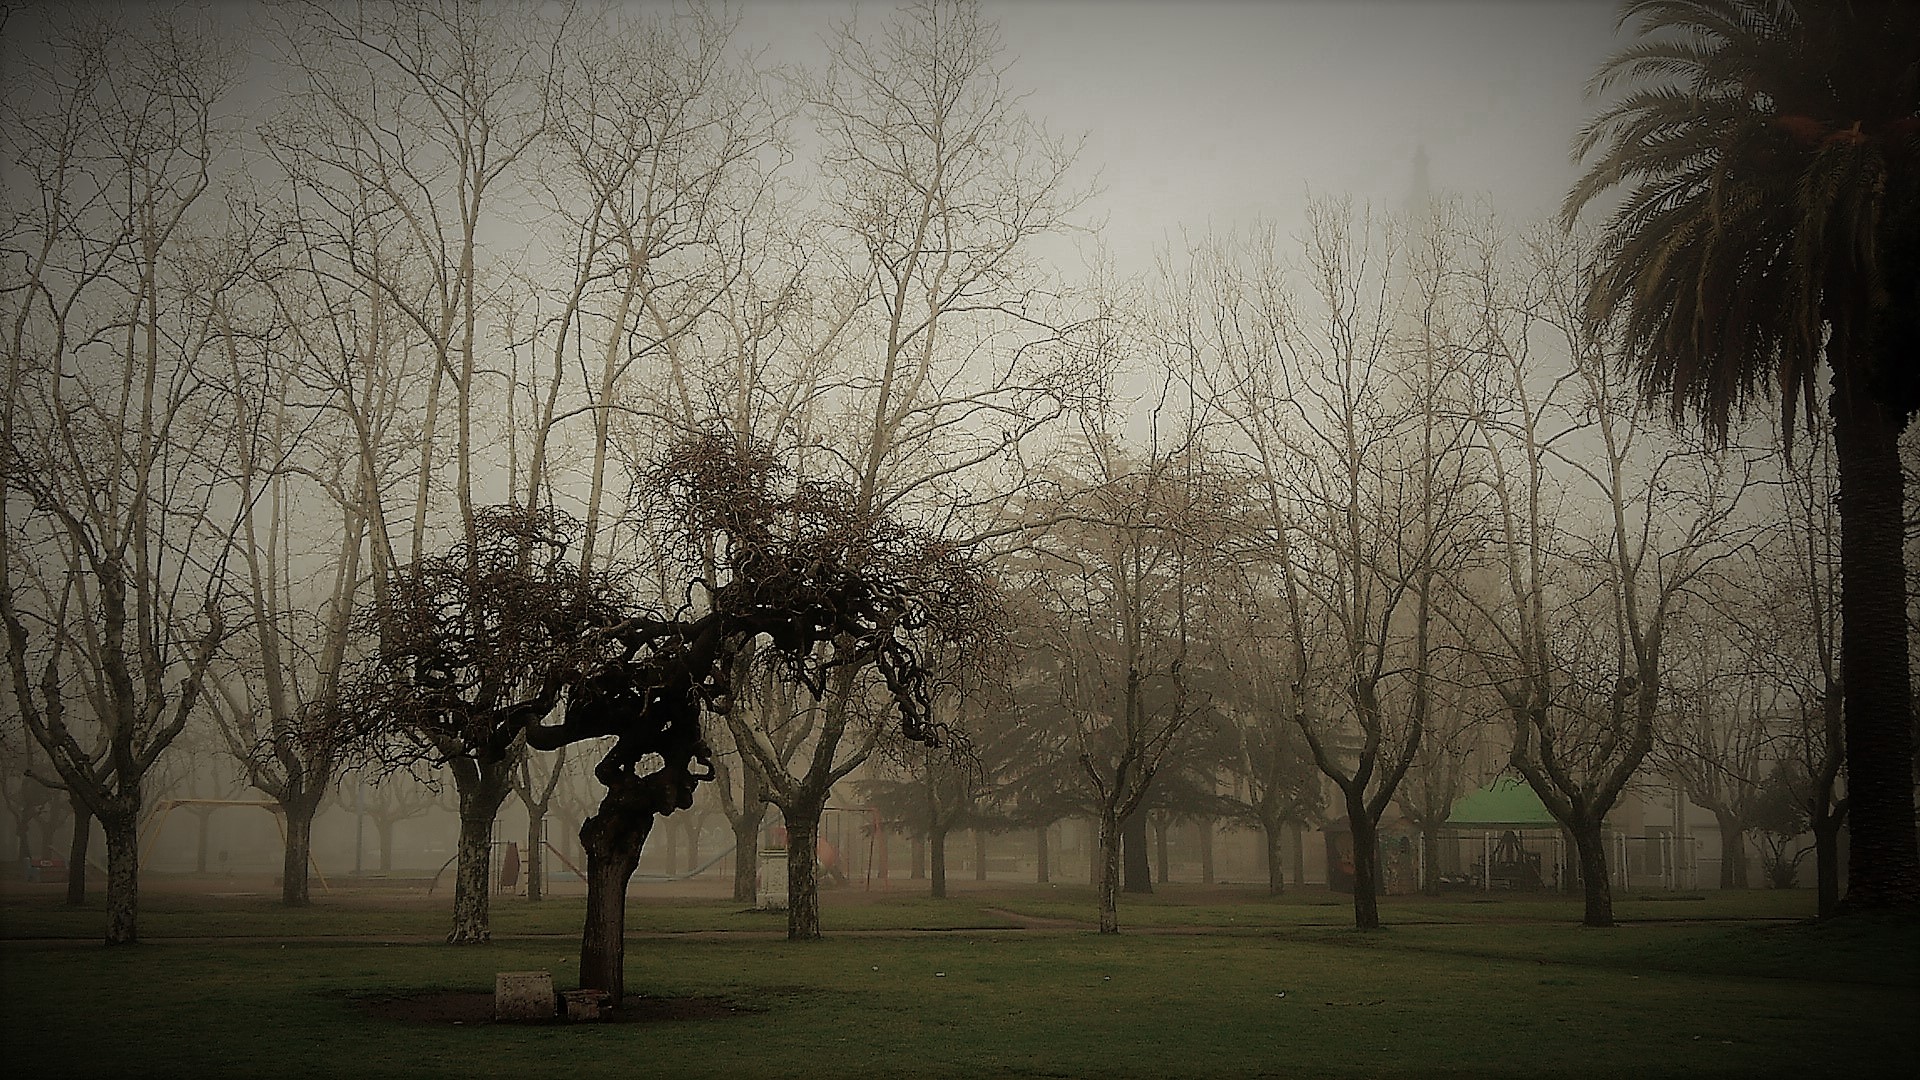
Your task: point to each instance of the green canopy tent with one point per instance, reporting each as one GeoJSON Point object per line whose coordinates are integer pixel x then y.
{"type": "Point", "coordinates": [1505, 803]}
{"type": "Point", "coordinates": [1501, 812]}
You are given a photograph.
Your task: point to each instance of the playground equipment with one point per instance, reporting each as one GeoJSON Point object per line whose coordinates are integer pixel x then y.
{"type": "Point", "coordinates": [500, 849]}
{"type": "Point", "coordinates": [659, 878]}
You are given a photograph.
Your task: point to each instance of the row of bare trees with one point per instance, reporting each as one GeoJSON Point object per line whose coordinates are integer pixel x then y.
{"type": "Point", "coordinates": [272, 357]}
{"type": "Point", "coordinates": [301, 388]}
{"type": "Point", "coordinates": [1395, 504]}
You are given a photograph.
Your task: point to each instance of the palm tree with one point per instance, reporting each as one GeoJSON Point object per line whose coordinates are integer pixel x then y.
{"type": "Point", "coordinates": [1767, 154]}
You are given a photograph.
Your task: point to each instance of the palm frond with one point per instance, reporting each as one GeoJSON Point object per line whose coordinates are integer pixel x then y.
{"type": "Point", "coordinates": [1757, 146]}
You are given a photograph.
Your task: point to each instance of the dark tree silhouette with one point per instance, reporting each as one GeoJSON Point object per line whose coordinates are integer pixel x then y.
{"type": "Point", "coordinates": [806, 585]}
{"type": "Point", "coordinates": [1771, 225]}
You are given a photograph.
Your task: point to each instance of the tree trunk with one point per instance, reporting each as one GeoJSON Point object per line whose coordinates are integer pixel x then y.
{"type": "Point", "coordinates": [534, 865]}
{"type": "Point", "coordinates": [1297, 841]}
{"type": "Point", "coordinates": [612, 840]}
{"type": "Point", "coordinates": [803, 867]}
{"type": "Point", "coordinates": [1109, 874]}
{"type": "Point", "coordinates": [1570, 878]}
{"type": "Point", "coordinates": [1733, 850]}
{"type": "Point", "coordinates": [1138, 876]}
{"type": "Point", "coordinates": [1160, 851]}
{"type": "Point", "coordinates": [1366, 887]}
{"type": "Point", "coordinates": [1883, 866]}
{"type": "Point", "coordinates": [746, 853]}
{"type": "Point", "coordinates": [295, 890]}
{"type": "Point", "coordinates": [1826, 862]}
{"type": "Point", "coordinates": [979, 855]}
{"type": "Point", "coordinates": [383, 828]}
{"type": "Point", "coordinates": [482, 788]}
{"type": "Point", "coordinates": [1591, 850]}
{"type": "Point", "coordinates": [472, 881]}
{"type": "Point", "coordinates": [77, 854]}
{"type": "Point", "coordinates": [918, 870]}
{"type": "Point", "coordinates": [1096, 855]}
{"type": "Point", "coordinates": [123, 875]}
{"type": "Point", "coordinates": [472, 878]}
{"type": "Point", "coordinates": [1205, 829]}
{"type": "Point", "coordinates": [936, 846]}
{"type": "Point", "coordinates": [1430, 860]}
{"type": "Point", "coordinates": [670, 858]}
{"type": "Point", "coordinates": [1042, 873]}
{"type": "Point", "coordinates": [1274, 831]}
{"type": "Point", "coordinates": [49, 824]}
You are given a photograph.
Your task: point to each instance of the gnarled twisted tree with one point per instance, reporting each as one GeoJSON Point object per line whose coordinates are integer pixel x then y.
{"type": "Point", "coordinates": [806, 586]}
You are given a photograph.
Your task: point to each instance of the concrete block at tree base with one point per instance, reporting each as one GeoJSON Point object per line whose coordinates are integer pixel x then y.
{"type": "Point", "coordinates": [773, 880]}
{"type": "Point", "coordinates": [523, 995]}
{"type": "Point", "coordinates": [584, 1004]}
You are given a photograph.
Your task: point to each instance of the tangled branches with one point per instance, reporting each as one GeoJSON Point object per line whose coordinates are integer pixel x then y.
{"type": "Point", "coordinates": [821, 580]}
{"type": "Point", "coordinates": [474, 643]}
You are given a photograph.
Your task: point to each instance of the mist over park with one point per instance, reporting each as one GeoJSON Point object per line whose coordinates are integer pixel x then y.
{"type": "Point", "coordinates": [960, 538]}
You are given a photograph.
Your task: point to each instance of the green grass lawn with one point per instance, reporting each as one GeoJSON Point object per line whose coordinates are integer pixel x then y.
{"type": "Point", "coordinates": [1207, 985]}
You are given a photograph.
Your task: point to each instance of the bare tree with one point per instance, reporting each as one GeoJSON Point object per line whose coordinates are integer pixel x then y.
{"type": "Point", "coordinates": [1278, 786]}
{"type": "Point", "coordinates": [1343, 405]}
{"type": "Point", "coordinates": [936, 185]}
{"type": "Point", "coordinates": [535, 779]}
{"type": "Point", "coordinates": [29, 801]}
{"type": "Point", "coordinates": [1593, 570]}
{"type": "Point", "coordinates": [389, 799]}
{"type": "Point", "coordinates": [1791, 640]}
{"type": "Point", "coordinates": [472, 645]}
{"type": "Point", "coordinates": [1447, 764]}
{"type": "Point", "coordinates": [1127, 574]}
{"type": "Point", "coordinates": [1715, 740]}
{"type": "Point", "coordinates": [415, 117]}
{"type": "Point", "coordinates": [823, 592]}
{"type": "Point", "coordinates": [112, 548]}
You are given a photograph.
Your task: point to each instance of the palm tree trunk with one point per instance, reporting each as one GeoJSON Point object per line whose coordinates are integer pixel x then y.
{"type": "Point", "coordinates": [1883, 868]}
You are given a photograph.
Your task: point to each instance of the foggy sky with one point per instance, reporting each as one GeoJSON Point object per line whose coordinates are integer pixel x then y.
{"type": "Point", "coordinates": [1210, 114]}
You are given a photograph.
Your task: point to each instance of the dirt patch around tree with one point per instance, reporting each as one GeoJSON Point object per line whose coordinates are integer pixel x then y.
{"type": "Point", "coordinates": [475, 1007]}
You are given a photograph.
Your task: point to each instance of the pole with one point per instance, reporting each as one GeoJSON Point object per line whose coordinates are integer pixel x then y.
{"type": "Point", "coordinates": [359, 825]}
